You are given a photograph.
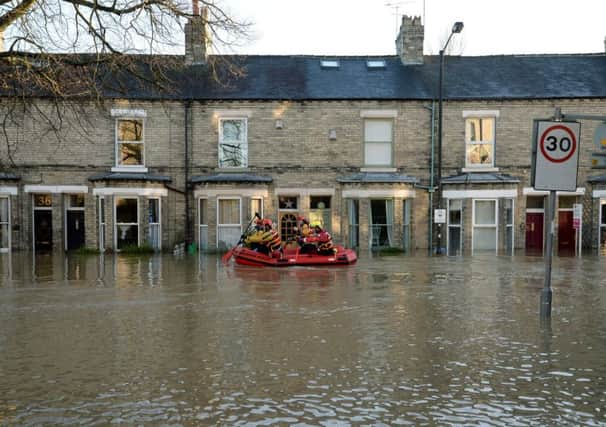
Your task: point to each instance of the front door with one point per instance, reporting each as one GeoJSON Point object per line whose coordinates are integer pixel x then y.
{"type": "Point", "coordinates": [43, 230]}
{"type": "Point", "coordinates": [566, 233]}
{"type": "Point", "coordinates": [75, 230]}
{"type": "Point", "coordinates": [534, 233]}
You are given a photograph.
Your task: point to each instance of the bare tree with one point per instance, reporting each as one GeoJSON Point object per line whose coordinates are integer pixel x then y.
{"type": "Point", "coordinates": [74, 52]}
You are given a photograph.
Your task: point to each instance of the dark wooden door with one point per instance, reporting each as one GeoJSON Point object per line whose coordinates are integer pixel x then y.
{"type": "Point", "coordinates": [566, 233]}
{"type": "Point", "coordinates": [534, 233]}
{"type": "Point", "coordinates": [43, 230]}
{"type": "Point", "coordinates": [75, 230]}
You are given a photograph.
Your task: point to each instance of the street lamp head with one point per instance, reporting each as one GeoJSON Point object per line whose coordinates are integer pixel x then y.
{"type": "Point", "coordinates": [457, 27]}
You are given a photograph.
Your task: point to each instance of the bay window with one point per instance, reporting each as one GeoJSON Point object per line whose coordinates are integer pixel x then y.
{"type": "Point", "coordinates": [484, 226]}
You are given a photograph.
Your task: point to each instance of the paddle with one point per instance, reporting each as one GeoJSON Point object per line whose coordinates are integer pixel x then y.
{"type": "Point", "coordinates": [225, 258]}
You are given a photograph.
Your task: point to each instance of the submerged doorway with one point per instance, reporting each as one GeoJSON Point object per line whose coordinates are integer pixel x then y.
{"type": "Point", "coordinates": [535, 220]}
{"type": "Point", "coordinates": [74, 222]}
{"type": "Point", "coordinates": [43, 222]}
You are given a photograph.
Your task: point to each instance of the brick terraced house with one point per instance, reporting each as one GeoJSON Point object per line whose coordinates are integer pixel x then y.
{"type": "Point", "coordinates": [347, 140]}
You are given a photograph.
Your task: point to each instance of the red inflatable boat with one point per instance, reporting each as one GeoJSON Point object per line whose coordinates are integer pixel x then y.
{"type": "Point", "coordinates": [292, 256]}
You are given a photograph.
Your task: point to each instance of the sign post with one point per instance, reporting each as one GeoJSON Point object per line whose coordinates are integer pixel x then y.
{"type": "Point", "coordinates": [555, 162]}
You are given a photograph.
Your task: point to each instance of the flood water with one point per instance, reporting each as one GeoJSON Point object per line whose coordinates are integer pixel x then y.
{"type": "Point", "coordinates": [398, 340]}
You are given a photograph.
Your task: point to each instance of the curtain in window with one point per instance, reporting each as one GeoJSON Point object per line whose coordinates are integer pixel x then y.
{"type": "Point", "coordinates": [389, 216]}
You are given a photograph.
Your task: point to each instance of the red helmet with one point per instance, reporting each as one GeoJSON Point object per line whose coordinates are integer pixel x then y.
{"type": "Point", "coordinates": [266, 222]}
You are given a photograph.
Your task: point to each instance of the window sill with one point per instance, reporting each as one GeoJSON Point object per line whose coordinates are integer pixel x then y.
{"type": "Point", "coordinates": [233, 169]}
{"type": "Point", "coordinates": [478, 169]}
{"type": "Point", "coordinates": [133, 169]}
{"type": "Point", "coordinates": [378, 169]}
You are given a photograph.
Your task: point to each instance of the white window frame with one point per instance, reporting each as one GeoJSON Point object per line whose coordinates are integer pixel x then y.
{"type": "Point", "coordinates": [101, 215]}
{"type": "Point", "coordinates": [495, 225]}
{"type": "Point", "coordinates": [158, 224]}
{"type": "Point", "coordinates": [243, 143]}
{"type": "Point", "coordinates": [602, 226]}
{"type": "Point", "coordinates": [8, 224]}
{"type": "Point", "coordinates": [481, 115]}
{"type": "Point", "coordinates": [138, 223]}
{"type": "Point", "coordinates": [219, 225]}
{"type": "Point", "coordinates": [391, 142]}
{"type": "Point", "coordinates": [459, 226]}
{"type": "Point", "coordinates": [202, 225]}
{"type": "Point", "coordinates": [260, 199]}
{"type": "Point", "coordinates": [513, 221]}
{"type": "Point", "coordinates": [119, 167]}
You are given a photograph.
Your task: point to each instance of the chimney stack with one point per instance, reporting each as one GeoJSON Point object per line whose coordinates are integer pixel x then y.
{"type": "Point", "coordinates": [197, 36]}
{"type": "Point", "coordinates": [409, 43]}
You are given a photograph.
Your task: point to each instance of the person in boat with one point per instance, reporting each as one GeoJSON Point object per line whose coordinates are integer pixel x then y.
{"type": "Point", "coordinates": [254, 238]}
{"type": "Point", "coordinates": [304, 230]}
{"type": "Point", "coordinates": [267, 239]}
{"type": "Point", "coordinates": [321, 238]}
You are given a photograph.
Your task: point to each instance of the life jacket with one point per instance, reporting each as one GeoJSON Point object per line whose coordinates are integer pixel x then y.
{"type": "Point", "coordinates": [271, 239]}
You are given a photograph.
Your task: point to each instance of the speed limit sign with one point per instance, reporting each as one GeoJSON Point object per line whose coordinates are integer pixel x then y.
{"type": "Point", "coordinates": [555, 155]}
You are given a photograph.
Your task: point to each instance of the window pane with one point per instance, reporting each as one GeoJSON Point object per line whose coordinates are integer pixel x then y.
{"type": "Point", "coordinates": [154, 211]}
{"type": "Point", "coordinates": [130, 130]}
{"type": "Point", "coordinates": [127, 235]}
{"type": "Point", "coordinates": [203, 211]}
{"type": "Point", "coordinates": [454, 240]}
{"type": "Point", "coordinates": [484, 239]}
{"type": "Point", "coordinates": [566, 202]}
{"type": "Point", "coordinates": [76, 200]}
{"type": "Point", "coordinates": [485, 212]}
{"type": "Point", "coordinates": [233, 155]}
{"type": "Point", "coordinates": [229, 211]}
{"type": "Point", "coordinates": [4, 236]}
{"type": "Point", "coordinates": [126, 210]}
{"type": "Point", "coordinates": [131, 154]}
{"type": "Point", "coordinates": [378, 153]}
{"type": "Point", "coordinates": [102, 211]}
{"type": "Point", "coordinates": [509, 211]}
{"type": "Point", "coordinates": [454, 214]}
{"type": "Point", "coordinates": [319, 202]}
{"type": "Point", "coordinates": [479, 154]}
{"type": "Point", "coordinates": [479, 129]}
{"type": "Point", "coordinates": [256, 206]}
{"type": "Point", "coordinates": [232, 130]}
{"type": "Point", "coordinates": [377, 130]}
{"type": "Point", "coordinates": [4, 210]}
{"type": "Point", "coordinates": [535, 202]}
{"type": "Point", "coordinates": [603, 216]}
{"type": "Point", "coordinates": [287, 202]}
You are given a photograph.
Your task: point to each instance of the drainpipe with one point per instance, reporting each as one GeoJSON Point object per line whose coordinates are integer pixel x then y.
{"type": "Point", "coordinates": [431, 188]}
{"type": "Point", "coordinates": [188, 237]}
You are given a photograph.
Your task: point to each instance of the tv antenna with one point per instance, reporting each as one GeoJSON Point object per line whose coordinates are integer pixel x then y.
{"type": "Point", "coordinates": [396, 5]}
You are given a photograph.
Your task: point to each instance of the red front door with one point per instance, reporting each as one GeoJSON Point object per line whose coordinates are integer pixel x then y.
{"type": "Point", "coordinates": [534, 233]}
{"type": "Point", "coordinates": [566, 233]}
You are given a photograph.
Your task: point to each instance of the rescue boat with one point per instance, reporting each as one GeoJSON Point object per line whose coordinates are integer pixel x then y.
{"type": "Point", "coordinates": [292, 257]}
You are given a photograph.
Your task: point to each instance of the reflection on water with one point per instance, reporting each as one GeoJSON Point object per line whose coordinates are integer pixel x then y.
{"type": "Point", "coordinates": [389, 341]}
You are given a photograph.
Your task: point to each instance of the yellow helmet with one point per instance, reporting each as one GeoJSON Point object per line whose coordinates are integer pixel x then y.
{"type": "Point", "coordinates": [315, 224]}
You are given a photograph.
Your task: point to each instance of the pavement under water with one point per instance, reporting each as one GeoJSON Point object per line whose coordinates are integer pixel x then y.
{"type": "Point", "coordinates": [393, 340]}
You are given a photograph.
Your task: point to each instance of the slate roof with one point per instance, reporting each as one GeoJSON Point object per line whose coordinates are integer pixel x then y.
{"type": "Point", "coordinates": [377, 177]}
{"type": "Point", "coordinates": [300, 78]}
{"type": "Point", "coordinates": [124, 176]}
{"type": "Point", "coordinates": [472, 77]}
{"type": "Point", "coordinates": [480, 178]}
{"type": "Point", "coordinates": [230, 177]}
{"type": "Point", "coordinates": [9, 176]}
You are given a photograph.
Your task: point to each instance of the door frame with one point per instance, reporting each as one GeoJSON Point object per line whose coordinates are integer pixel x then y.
{"type": "Point", "coordinates": [66, 208]}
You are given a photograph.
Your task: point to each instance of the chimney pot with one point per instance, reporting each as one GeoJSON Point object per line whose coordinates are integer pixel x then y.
{"type": "Point", "coordinates": [409, 43]}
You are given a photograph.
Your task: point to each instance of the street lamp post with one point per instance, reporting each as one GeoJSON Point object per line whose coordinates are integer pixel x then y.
{"type": "Point", "coordinates": [456, 28]}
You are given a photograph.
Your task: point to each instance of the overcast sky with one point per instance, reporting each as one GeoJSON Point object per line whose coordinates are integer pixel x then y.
{"type": "Point", "coordinates": [368, 27]}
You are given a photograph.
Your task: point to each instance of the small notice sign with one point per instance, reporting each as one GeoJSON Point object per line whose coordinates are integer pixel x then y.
{"type": "Point", "coordinates": [440, 216]}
